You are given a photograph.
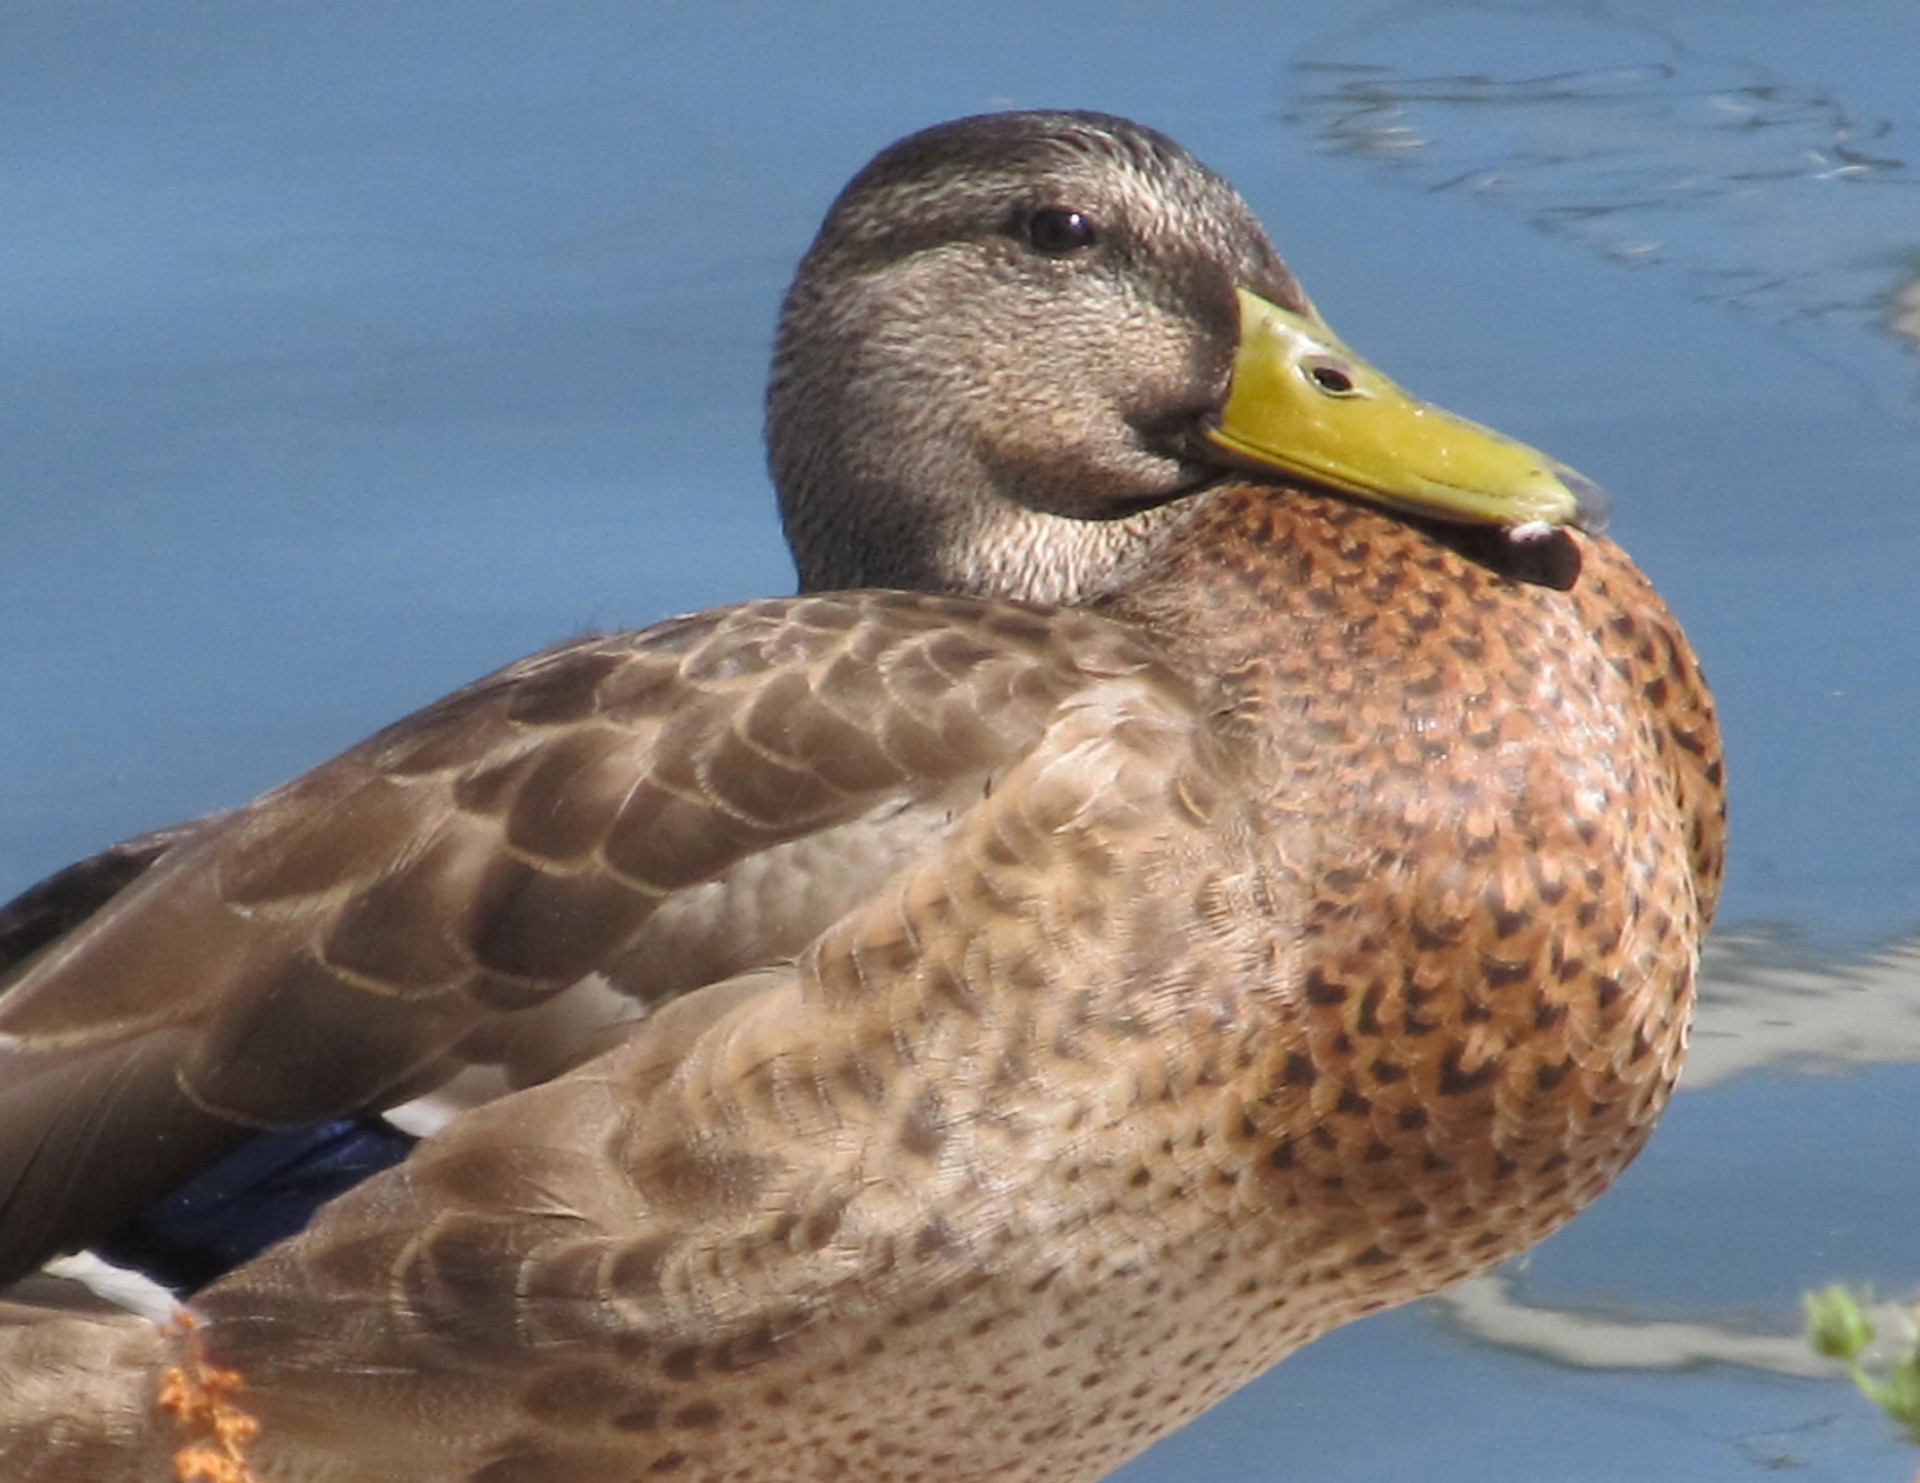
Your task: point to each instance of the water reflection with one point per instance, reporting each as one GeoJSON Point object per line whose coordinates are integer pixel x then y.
{"type": "Point", "coordinates": [1764, 1002]}
{"type": "Point", "coordinates": [1498, 1309]}
{"type": "Point", "coordinates": [1906, 312]}
{"type": "Point", "coordinates": [1770, 196]}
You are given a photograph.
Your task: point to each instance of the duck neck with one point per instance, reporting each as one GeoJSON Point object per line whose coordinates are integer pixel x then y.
{"type": "Point", "coordinates": [969, 543]}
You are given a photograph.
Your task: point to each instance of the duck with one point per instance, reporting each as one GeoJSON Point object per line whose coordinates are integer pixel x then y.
{"type": "Point", "coordinates": [1214, 847]}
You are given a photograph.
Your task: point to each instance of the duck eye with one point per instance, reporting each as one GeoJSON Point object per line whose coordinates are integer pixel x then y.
{"type": "Point", "coordinates": [1059, 230]}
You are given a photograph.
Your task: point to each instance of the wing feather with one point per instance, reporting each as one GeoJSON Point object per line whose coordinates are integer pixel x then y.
{"type": "Point", "coordinates": [653, 810]}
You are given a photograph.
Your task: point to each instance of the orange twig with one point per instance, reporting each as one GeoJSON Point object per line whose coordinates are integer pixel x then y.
{"type": "Point", "coordinates": [200, 1398]}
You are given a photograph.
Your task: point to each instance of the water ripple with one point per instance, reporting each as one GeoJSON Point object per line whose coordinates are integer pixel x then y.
{"type": "Point", "coordinates": [1766, 195]}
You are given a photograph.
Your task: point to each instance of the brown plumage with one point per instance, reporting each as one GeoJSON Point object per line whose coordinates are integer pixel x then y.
{"type": "Point", "coordinates": [1058, 1014]}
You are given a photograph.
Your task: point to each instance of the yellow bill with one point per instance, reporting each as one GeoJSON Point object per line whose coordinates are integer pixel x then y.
{"type": "Point", "coordinates": [1303, 403]}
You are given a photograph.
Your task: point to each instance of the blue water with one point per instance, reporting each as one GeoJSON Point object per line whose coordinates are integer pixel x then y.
{"type": "Point", "coordinates": [348, 350]}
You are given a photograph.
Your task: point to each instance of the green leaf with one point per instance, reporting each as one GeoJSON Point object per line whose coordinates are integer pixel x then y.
{"type": "Point", "coordinates": [1836, 1324]}
{"type": "Point", "coordinates": [1900, 1394]}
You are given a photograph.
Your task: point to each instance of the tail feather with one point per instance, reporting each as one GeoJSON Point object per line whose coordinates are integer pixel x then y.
{"type": "Point", "coordinates": [44, 913]}
{"type": "Point", "coordinates": [89, 1138]}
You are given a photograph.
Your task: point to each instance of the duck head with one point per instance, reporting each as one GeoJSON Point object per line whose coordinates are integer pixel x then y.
{"type": "Point", "coordinates": [1020, 339]}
